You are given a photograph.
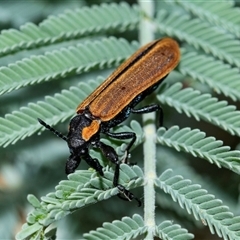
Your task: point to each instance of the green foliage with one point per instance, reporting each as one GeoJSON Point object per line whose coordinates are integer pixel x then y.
{"type": "Point", "coordinates": [69, 25]}
{"type": "Point", "coordinates": [222, 77]}
{"type": "Point", "coordinates": [202, 205]}
{"type": "Point", "coordinates": [202, 106]}
{"type": "Point", "coordinates": [63, 63]}
{"type": "Point", "coordinates": [51, 64]}
{"type": "Point", "coordinates": [224, 15]}
{"type": "Point", "coordinates": [76, 193]}
{"type": "Point", "coordinates": [195, 143]}
{"type": "Point", "coordinates": [127, 228]}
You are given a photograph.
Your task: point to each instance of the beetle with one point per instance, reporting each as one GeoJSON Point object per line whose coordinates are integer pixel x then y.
{"type": "Point", "coordinates": [112, 103]}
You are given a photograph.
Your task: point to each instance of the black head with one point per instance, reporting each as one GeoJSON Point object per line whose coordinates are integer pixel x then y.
{"type": "Point", "coordinates": [82, 131]}
{"type": "Point", "coordinates": [76, 141]}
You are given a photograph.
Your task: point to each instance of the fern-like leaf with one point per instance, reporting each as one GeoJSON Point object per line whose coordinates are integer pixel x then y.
{"type": "Point", "coordinates": [180, 164]}
{"type": "Point", "coordinates": [169, 231]}
{"type": "Point", "coordinates": [27, 231]}
{"type": "Point", "coordinates": [70, 25]}
{"type": "Point", "coordinates": [203, 106]}
{"type": "Point", "coordinates": [127, 228]}
{"type": "Point", "coordinates": [224, 15]}
{"type": "Point", "coordinates": [201, 35]}
{"type": "Point", "coordinates": [83, 188]}
{"type": "Point", "coordinates": [64, 62]}
{"type": "Point", "coordinates": [131, 228]}
{"type": "Point", "coordinates": [202, 205]}
{"type": "Point", "coordinates": [219, 76]}
{"type": "Point", "coordinates": [195, 143]}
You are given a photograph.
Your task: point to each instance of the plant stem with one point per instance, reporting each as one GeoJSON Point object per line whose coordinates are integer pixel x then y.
{"type": "Point", "coordinates": [146, 34]}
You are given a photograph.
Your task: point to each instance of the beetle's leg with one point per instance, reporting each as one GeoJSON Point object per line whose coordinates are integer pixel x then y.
{"type": "Point", "coordinates": [111, 155]}
{"type": "Point", "coordinates": [72, 163]}
{"type": "Point", "coordinates": [124, 135]}
{"type": "Point", "coordinates": [128, 196]}
{"type": "Point", "coordinates": [94, 163]}
{"type": "Point", "coordinates": [150, 108]}
{"type": "Point", "coordinates": [128, 135]}
{"type": "Point", "coordinates": [107, 151]}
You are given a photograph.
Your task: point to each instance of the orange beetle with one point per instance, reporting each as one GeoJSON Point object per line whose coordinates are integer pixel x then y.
{"type": "Point", "coordinates": [112, 103]}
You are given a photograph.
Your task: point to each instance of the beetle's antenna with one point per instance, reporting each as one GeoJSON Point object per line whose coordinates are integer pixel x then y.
{"type": "Point", "coordinates": [52, 129]}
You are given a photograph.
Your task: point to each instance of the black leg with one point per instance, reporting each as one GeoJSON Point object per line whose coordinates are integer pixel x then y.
{"type": "Point", "coordinates": [72, 164]}
{"type": "Point", "coordinates": [94, 163]}
{"type": "Point", "coordinates": [150, 108]}
{"type": "Point", "coordinates": [128, 196]}
{"type": "Point", "coordinates": [111, 155]}
{"type": "Point", "coordinates": [128, 135]}
{"type": "Point", "coordinates": [124, 135]}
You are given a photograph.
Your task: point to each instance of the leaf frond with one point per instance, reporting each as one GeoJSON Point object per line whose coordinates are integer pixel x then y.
{"type": "Point", "coordinates": [168, 230]}
{"type": "Point", "coordinates": [225, 15]}
{"type": "Point", "coordinates": [82, 188]}
{"type": "Point", "coordinates": [203, 206]}
{"type": "Point", "coordinates": [202, 106]}
{"type": "Point", "coordinates": [197, 144]}
{"type": "Point", "coordinates": [126, 228]}
{"type": "Point", "coordinates": [200, 35]}
{"type": "Point", "coordinates": [70, 25]}
{"type": "Point", "coordinates": [180, 164]}
{"type": "Point", "coordinates": [219, 76]}
{"type": "Point", "coordinates": [34, 230]}
{"type": "Point", "coordinates": [64, 62]}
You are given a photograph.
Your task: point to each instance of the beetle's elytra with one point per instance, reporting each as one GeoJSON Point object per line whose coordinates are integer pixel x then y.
{"type": "Point", "coordinates": [113, 101]}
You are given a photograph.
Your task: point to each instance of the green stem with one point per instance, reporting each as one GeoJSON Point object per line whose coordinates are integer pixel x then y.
{"type": "Point", "coordinates": [146, 34]}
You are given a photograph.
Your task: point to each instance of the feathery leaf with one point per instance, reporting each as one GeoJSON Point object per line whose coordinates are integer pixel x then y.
{"type": "Point", "coordinates": [195, 143]}
{"type": "Point", "coordinates": [168, 230]}
{"type": "Point", "coordinates": [64, 62]}
{"type": "Point", "coordinates": [219, 76]}
{"type": "Point", "coordinates": [225, 16]}
{"type": "Point", "coordinates": [202, 205]}
{"type": "Point", "coordinates": [127, 228]}
{"type": "Point", "coordinates": [203, 106]}
{"type": "Point", "coordinates": [200, 34]}
{"type": "Point", "coordinates": [82, 188]}
{"type": "Point", "coordinates": [70, 25]}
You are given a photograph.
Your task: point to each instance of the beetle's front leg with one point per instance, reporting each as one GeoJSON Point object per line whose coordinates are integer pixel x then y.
{"type": "Point", "coordinates": [94, 163]}
{"type": "Point", "coordinates": [111, 155]}
{"type": "Point", "coordinates": [72, 163]}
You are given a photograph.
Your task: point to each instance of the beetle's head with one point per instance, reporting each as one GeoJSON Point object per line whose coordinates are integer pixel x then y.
{"type": "Point", "coordinates": [81, 131]}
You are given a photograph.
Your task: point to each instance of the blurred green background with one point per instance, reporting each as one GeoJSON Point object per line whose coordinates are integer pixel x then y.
{"type": "Point", "coordinates": [27, 167]}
